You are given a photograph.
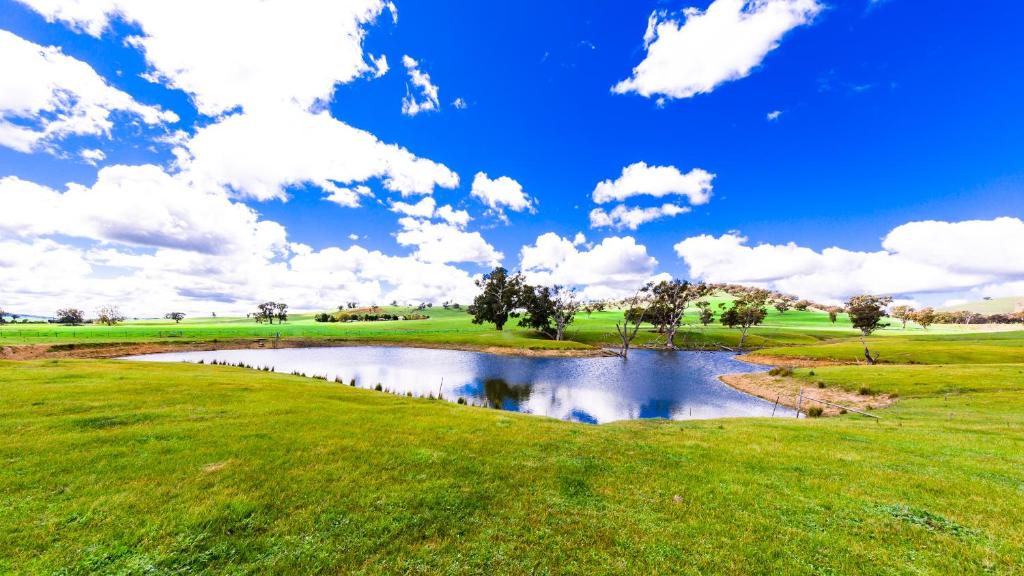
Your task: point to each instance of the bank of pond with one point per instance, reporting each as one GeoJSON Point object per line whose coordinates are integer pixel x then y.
{"type": "Point", "coordinates": [650, 384]}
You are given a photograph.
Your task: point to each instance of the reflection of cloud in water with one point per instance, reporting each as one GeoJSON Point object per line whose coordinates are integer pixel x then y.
{"type": "Point", "coordinates": [677, 385]}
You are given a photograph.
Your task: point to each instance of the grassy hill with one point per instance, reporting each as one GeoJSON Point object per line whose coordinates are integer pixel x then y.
{"type": "Point", "coordinates": [110, 468]}
{"type": "Point", "coordinates": [450, 327]}
{"type": "Point", "coordinates": [988, 307]}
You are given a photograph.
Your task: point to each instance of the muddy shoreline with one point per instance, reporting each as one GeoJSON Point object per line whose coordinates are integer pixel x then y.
{"type": "Point", "coordinates": [120, 349]}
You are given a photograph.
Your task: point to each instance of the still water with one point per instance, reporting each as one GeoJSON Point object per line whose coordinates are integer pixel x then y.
{"type": "Point", "coordinates": [650, 384]}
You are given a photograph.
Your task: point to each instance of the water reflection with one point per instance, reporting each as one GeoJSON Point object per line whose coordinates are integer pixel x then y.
{"type": "Point", "coordinates": [675, 385]}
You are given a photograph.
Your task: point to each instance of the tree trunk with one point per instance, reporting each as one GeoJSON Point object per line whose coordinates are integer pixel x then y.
{"type": "Point", "coordinates": [671, 342]}
{"type": "Point", "coordinates": [867, 354]}
{"type": "Point", "coordinates": [743, 337]}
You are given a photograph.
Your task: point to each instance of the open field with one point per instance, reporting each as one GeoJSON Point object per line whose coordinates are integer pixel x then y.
{"type": "Point", "coordinates": [1004, 305]}
{"type": "Point", "coordinates": [453, 327]}
{"type": "Point", "coordinates": [162, 469]}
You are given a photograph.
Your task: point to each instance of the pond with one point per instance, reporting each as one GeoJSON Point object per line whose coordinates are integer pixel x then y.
{"type": "Point", "coordinates": [650, 384]}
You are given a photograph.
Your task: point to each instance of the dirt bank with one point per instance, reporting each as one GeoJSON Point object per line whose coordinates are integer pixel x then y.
{"type": "Point", "coordinates": [118, 349]}
{"type": "Point", "coordinates": [786, 391]}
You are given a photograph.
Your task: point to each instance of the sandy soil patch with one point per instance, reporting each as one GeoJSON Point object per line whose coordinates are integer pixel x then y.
{"type": "Point", "coordinates": [786, 391]}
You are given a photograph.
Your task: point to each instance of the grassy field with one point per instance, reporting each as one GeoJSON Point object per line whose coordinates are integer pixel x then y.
{"type": "Point", "coordinates": [993, 306]}
{"type": "Point", "coordinates": [171, 469]}
{"type": "Point", "coordinates": [979, 347]}
{"type": "Point", "coordinates": [453, 327]}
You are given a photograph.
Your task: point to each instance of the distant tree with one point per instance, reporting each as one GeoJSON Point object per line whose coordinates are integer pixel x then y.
{"type": "Point", "coordinates": [394, 303]}
{"type": "Point", "coordinates": [499, 298]}
{"type": "Point", "coordinates": [902, 313]}
{"type": "Point", "coordinates": [781, 305]}
{"type": "Point", "coordinates": [802, 305]}
{"type": "Point", "coordinates": [109, 315]}
{"type": "Point", "coordinates": [72, 316]}
{"type": "Point", "coordinates": [866, 313]}
{"type": "Point", "coordinates": [705, 314]}
{"type": "Point", "coordinates": [2, 314]}
{"type": "Point", "coordinates": [281, 312]}
{"type": "Point", "coordinates": [833, 314]}
{"type": "Point", "coordinates": [746, 311]}
{"type": "Point", "coordinates": [176, 316]}
{"type": "Point", "coordinates": [925, 317]}
{"type": "Point", "coordinates": [636, 308]}
{"type": "Point", "coordinates": [549, 310]}
{"type": "Point", "coordinates": [265, 312]}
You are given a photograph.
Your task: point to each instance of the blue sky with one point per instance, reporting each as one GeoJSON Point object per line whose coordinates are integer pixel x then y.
{"type": "Point", "coordinates": [865, 117]}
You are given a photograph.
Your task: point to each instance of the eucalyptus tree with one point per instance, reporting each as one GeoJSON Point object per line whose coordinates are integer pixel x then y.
{"type": "Point", "coordinates": [746, 311]}
{"type": "Point", "coordinates": [501, 295]}
{"type": "Point", "coordinates": [902, 313]}
{"type": "Point", "coordinates": [635, 310]}
{"type": "Point", "coordinates": [549, 310]}
{"type": "Point", "coordinates": [73, 316]}
{"type": "Point", "coordinates": [866, 313]}
{"type": "Point", "coordinates": [109, 315]}
{"type": "Point", "coordinates": [176, 316]}
{"type": "Point", "coordinates": [671, 299]}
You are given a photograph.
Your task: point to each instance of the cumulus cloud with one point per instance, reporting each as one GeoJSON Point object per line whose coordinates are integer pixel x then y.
{"type": "Point", "coordinates": [917, 258]}
{"type": "Point", "coordinates": [260, 155]}
{"type": "Point", "coordinates": [639, 179]}
{"type": "Point", "coordinates": [705, 48]}
{"type": "Point", "coordinates": [200, 48]}
{"type": "Point", "coordinates": [427, 208]}
{"type": "Point", "coordinates": [622, 217]}
{"type": "Point", "coordinates": [614, 268]}
{"type": "Point", "coordinates": [443, 243]}
{"type": "Point", "coordinates": [501, 193]}
{"type": "Point", "coordinates": [139, 206]}
{"type": "Point", "coordinates": [428, 100]}
{"type": "Point", "coordinates": [46, 96]}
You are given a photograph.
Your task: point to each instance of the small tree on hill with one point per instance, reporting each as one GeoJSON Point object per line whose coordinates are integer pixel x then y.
{"type": "Point", "coordinates": [781, 305]}
{"type": "Point", "coordinates": [833, 314]}
{"type": "Point", "coordinates": [281, 312]}
{"type": "Point", "coordinates": [109, 315]}
{"type": "Point", "coordinates": [746, 311]}
{"type": "Point", "coordinates": [705, 314]}
{"type": "Point", "coordinates": [902, 313]}
{"type": "Point", "coordinates": [866, 313]}
{"type": "Point", "coordinates": [802, 305]}
{"type": "Point", "coordinates": [501, 295]}
{"type": "Point", "coordinates": [176, 316]}
{"type": "Point", "coordinates": [72, 316]}
{"type": "Point", "coordinates": [925, 317]}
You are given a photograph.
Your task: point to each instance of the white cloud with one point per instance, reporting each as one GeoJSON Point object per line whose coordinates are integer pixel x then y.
{"type": "Point", "coordinates": [452, 216]}
{"type": "Point", "coordinates": [704, 49]}
{"type": "Point", "coordinates": [261, 154]}
{"type": "Point", "coordinates": [428, 102]}
{"type": "Point", "coordinates": [773, 115]}
{"type": "Point", "coordinates": [348, 197]}
{"type": "Point", "coordinates": [234, 52]}
{"type": "Point", "coordinates": [139, 206]}
{"type": "Point", "coordinates": [92, 155]}
{"type": "Point", "coordinates": [639, 179]}
{"type": "Point", "coordinates": [444, 243]}
{"type": "Point", "coordinates": [501, 193]}
{"type": "Point", "coordinates": [46, 96]}
{"type": "Point", "coordinates": [614, 268]}
{"type": "Point", "coordinates": [622, 217]}
{"type": "Point", "coordinates": [422, 209]}
{"type": "Point", "coordinates": [380, 65]}
{"type": "Point", "coordinates": [425, 208]}
{"type": "Point", "coordinates": [459, 104]}
{"type": "Point", "coordinates": [918, 258]}
{"type": "Point", "coordinates": [353, 237]}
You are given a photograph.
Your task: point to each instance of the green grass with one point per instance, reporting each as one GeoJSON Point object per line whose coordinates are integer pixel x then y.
{"type": "Point", "coordinates": [446, 327]}
{"type": "Point", "coordinates": [119, 468]}
{"type": "Point", "coordinates": [974, 348]}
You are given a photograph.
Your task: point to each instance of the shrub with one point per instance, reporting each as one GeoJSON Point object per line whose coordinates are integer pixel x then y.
{"type": "Point", "coordinates": [864, 390]}
{"type": "Point", "coordinates": [815, 411]}
{"type": "Point", "coordinates": [352, 382]}
{"type": "Point", "coordinates": [821, 384]}
{"type": "Point", "coordinates": [461, 400]}
{"type": "Point", "coordinates": [780, 371]}
{"type": "Point", "coordinates": [378, 387]}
